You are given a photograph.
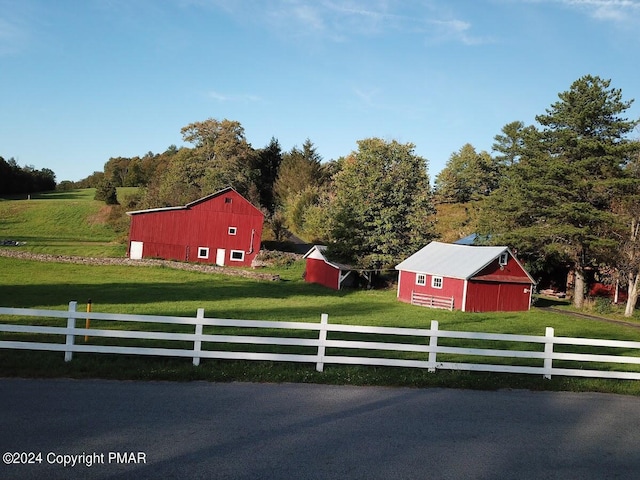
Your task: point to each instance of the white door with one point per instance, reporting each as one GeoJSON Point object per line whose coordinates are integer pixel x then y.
{"type": "Point", "coordinates": [220, 254]}
{"type": "Point", "coordinates": [135, 250]}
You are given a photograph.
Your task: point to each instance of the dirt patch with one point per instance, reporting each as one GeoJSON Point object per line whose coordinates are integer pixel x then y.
{"type": "Point", "coordinates": [101, 217]}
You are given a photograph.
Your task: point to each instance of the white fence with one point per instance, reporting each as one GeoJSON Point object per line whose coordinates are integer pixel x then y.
{"type": "Point", "coordinates": [430, 349]}
{"type": "Point", "coordinates": [432, 301]}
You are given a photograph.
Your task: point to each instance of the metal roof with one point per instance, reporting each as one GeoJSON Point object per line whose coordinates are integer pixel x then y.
{"type": "Point", "coordinates": [318, 252]}
{"type": "Point", "coordinates": [190, 204]}
{"type": "Point", "coordinates": [451, 260]}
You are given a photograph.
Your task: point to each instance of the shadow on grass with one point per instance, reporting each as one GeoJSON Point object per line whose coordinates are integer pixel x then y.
{"type": "Point", "coordinates": [69, 195]}
{"type": "Point", "coordinates": [261, 300]}
{"type": "Point", "coordinates": [546, 302]}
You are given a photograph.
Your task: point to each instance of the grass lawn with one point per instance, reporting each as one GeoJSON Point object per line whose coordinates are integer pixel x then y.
{"type": "Point", "coordinates": [164, 291]}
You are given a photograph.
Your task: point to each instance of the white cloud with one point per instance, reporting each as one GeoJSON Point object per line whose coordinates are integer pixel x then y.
{"type": "Point", "coordinates": [619, 11]}
{"type": "Point", "coordinates": [338, 20]}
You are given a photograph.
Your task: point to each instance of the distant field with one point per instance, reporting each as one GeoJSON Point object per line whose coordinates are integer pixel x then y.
{"type": "Point", "coordinates": [61, 223]}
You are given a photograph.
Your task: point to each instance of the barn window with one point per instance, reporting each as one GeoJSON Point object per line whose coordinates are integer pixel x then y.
{"type": "Point", "coordinates": [203, 252]}
{"type": "Point", "coordinates": [421, 279]}
{"type": "Point", "coordinates": [436, 282]}
{"type": "Point", "coordinates": [227, 199]}
{"type": "Point", "coordinates": [237, 255]}
{"type": "Point", "coordinates": [233, 230]}
{"type": "Point", "coordinates": [504, 256]}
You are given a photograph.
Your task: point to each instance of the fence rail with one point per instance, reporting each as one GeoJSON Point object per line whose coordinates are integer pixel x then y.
{"type": "Point", "coordinates": [432, 349]}
{"type": "Point", "coordinates": [433, 301]}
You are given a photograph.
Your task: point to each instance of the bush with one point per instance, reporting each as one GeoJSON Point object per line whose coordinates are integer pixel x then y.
{"type": "Point", "coordinates": [106, 191]}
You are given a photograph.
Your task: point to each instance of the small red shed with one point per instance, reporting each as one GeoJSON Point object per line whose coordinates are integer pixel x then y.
{"type": "Point", "coordinates": [222, 228]}
{"type": "Point", "coordinates": [467, 278]}
{"type": "Point", "coordinates": [319, 269]}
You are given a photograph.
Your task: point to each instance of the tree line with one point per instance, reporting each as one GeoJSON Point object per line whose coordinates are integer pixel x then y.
{"type": "Point", "coordinates": [565, 191]}
{"type": "Point", "coordinates": [15, 179]}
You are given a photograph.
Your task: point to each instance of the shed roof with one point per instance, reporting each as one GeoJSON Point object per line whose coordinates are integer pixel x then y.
{"type": "Point", "coordinates": [318, 252]}
{"type": "Point", "coordinates": [451, 260]}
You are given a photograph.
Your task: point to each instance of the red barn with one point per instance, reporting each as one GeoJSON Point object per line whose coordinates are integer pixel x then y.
{"type": "Point", "coordinates": [222, 228]}
{"type": "Point", "coordinates": [463, 277]}
{"type": "Point", "coordinates": [319, 269]}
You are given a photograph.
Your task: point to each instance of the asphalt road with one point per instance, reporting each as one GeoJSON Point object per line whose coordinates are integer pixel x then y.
{"type": "Point", "coordinates": [161, 430]}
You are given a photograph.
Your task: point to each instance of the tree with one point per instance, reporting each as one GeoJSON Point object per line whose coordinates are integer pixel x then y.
{"type": "Point", "coordinates": [299, 170]}
{"type": "Point", "coordinates": [382, 207]}
{"type": "Point", "coordinates": [106, 191]}
{"type": "Point", "coordinates": [222, 155]}
{"type": "Point", "coordinates": [16, 179]}
{"type": "Point", "coordinates": [267, 163]}
{"type": "Point", "coordinates": [468, 175]}
{"type": "Point", "coordinates": [627, 206]}
{"type": "Point", "coordinates": [555, 202]}
{"type": "Point", "coordinates": [300, 183]}
{"type": "Point", "coordinates": [510, 143]}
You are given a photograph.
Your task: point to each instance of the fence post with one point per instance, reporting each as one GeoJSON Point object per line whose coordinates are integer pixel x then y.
{"type": "Point", "coordinates": [197, 343]}
{"type": "Point", "coordinates": [433, 344]}
{"type": "Point", "coordinates": [322, 340]}
{"type": "Point", "coordinates": [71, 324]}
{"type": "Point", "coordinates": [548, 352]}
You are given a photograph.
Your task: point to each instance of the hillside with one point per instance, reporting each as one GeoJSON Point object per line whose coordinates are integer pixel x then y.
{"type": "Point", "coordinates": [73, 223]}
{"type": "Point", "coordinates": [61, 223]}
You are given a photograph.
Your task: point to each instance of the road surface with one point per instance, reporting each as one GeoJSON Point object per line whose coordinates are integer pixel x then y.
{"type": "Point", "coordinates": [99, 429]}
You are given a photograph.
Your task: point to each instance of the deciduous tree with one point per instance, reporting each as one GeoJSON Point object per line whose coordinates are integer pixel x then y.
{"type": "Point", "coordinates": [383, 208]}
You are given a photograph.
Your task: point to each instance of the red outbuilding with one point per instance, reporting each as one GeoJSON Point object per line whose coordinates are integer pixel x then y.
{"type": "Point", "coordinates": [319, 269]}
{"type": "Point", "coordinates": [467, 278]}
{"type": "Point", "coordinates": [222, 228]}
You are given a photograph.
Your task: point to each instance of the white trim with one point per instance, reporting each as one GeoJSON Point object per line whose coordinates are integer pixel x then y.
{"type": "Point", "coordinates": [434, 279]}
{"type": "Point", "coordinates": [221, 254]}
{"type": "Point", "coordinates": [422, 283]}
{"type": "Point", "coordinates": [342, 277]}
{"type": "Point", "coordinates": [234, 252]}
{"type": "Point", "coordinates": [203, 252]}
{"type": "Point", "coordinates": [464, 295]}
{"type": "Point", "coordinates": [503, 259]}
{"type": "Point", "coordinates": [232, 230]}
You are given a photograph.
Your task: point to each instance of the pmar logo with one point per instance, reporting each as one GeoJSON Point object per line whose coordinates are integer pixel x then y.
{"type": "Point", "coordinates": [127, 457]}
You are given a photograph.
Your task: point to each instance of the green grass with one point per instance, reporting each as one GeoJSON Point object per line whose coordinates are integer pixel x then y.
{"type": "Point", "coordinates": [72, 223]}
{"type": "Point", "coordinates": [60, 223]}
{"type": "Point", "coordinates": [164, 291]}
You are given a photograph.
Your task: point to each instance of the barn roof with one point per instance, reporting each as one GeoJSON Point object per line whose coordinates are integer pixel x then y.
{"type": "Point", "coordinates": [318, 252]}
{"type": "Point", "coordinates": [451, 260]}
{"type": "Point", "coordinates": [191, 204]}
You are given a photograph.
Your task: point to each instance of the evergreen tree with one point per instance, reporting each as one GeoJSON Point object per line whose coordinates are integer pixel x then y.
{"type": "Point", "coordinates": [556, 201]}
{"type": "Point", "coordinates": [267, 164]}
{"type": "Point", "coordinates": [468, 175]}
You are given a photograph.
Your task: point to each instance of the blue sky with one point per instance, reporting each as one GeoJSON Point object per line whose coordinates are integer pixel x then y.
{"type": "Point", "coordinates": [85, 80]}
